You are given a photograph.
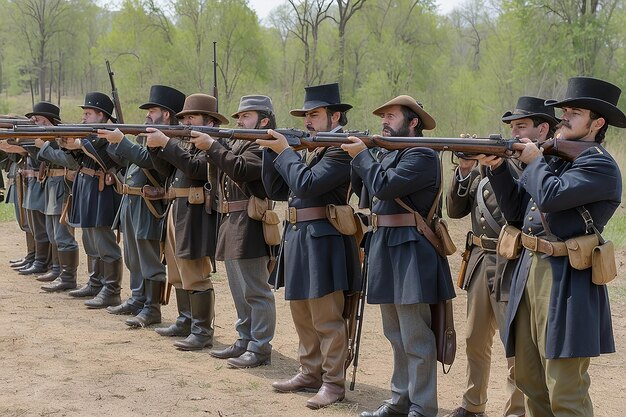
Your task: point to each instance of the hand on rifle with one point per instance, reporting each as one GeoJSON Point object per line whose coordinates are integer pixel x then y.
{"type": "Point", "coordinates": [354, 148]}
{"type": "Point", "coordinates": [39, 143]}
{"type": "Point", "coordinates": [113, 136]}
{"type": "Point", "coordinates": [529, 150]}
{"type": "Point", "coordinates": [201, 140]}
{"type": "Point", "coordinates": [70, 143]}
{"type": "Point", "coordinates": [278, 144]}
{"type": "Point", "coordinates": [490, 161]}
{"type": "Point", "coordinates": [155, 138]}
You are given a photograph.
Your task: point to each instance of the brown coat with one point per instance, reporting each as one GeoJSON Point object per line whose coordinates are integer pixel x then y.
{"type": "Point", "coordinates": [239, 177]}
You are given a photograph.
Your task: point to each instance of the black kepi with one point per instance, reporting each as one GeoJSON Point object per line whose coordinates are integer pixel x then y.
{"type": "Point", "coordinates": [592, 94]}
{"type": "Point", "coordinates": [527, 107]}
{"type": "Point", "coordinates": [47, 110]}
{"type": "Point", "coordinates": [101, 102]}
{"type": "Point", "coordinates": [167, 97]}
{"type": "Point", "coordinates": [324, 95]}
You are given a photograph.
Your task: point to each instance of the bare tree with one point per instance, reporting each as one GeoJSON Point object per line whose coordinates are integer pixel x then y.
{"type": "Point", "coordinates": [347, 9]}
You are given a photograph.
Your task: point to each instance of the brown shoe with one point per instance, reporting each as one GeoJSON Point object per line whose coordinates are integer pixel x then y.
{"type": "Point", "coordinates": [300, 382]}
{"type": "Point", "coordinates": [327, 395]}
{"type": "Point", "coordinates": [462, 412]}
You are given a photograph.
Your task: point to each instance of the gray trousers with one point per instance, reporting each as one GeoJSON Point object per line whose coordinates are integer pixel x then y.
{"type": "Point", "coordinates": [414, 377]}
{"type": "Point", "coordinates": [60, 234]}
{"type": "Point", "coordinates": [100, 242]}
{"type": "Point", "coordinates": [142, 258]}
{"type": "Point", "coordinates": [37, 225]}
{"type": "Point", "coordinates": [254, 302]}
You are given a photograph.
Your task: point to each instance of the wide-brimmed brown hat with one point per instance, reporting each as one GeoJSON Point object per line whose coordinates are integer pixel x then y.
{"type": "Point", "coordinates": [592, 94]}
{"type": "Point", "coordinates": [202, 104]}
{"type": "Point", "coordinates": [254, 103]}
{"type": "Point", "coordinates": [528, 107]}
{"type": "Point", "coordinates": [47, 110]}
{"type": "Point", "coordinates": [324, 95]}
{"type": "Point", "coordinates": [428, 123]}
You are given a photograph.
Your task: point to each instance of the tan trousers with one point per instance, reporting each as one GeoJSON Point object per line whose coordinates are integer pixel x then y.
{"type": "Point", "coordinates": [186, 274]}
{"type": "Point", "coordinates": [323, 344]}
{"type": "Point", "coordinates": [484, 315]}
{"type": "Point", "coordinates": [554, 387]}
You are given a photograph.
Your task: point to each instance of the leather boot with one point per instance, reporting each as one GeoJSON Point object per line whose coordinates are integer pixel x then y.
{"type": "Point", "coordinates": [126, 308]}
{"type": "Point", "coordinates": [55, 269]}
{"type": "Point", "coordinates": [40, 265]}
{"type": "Point", "coordinates": [299, 382]}
{"type": "Point", "coordinates": [93, 285]}
{"type": "Point", "coordinates": [69, 265]}
{"type": "Point", "coordinates": [202, 315]}
{"type": "Point", "coordinates": [182, 327]}
{"type": "Point", "coordinates": [30, 253]}
{"type": "Point", "coordinates": [327, 395]}
{"type": "Point", "coordinates": [151, 312]}
{"type": "Point", "coordinates": [109, 295]}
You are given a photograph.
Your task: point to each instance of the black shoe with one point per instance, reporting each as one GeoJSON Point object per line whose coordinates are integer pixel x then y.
{"type": "Point", "coordinates": [250, 360]}
{"type": "Point", "coordinates": [462, 412]}
{"type": "Point", "coordinates": [232, 351]}
{"type": "Point", "coordinates": [194, 342]}
{"type": "Point", "coordinates": [85, 291]}
{"type": "Point", "coordinates": [125, 308]}
{"type": "Point", "coordinates": [103, 300]}
{"type": "Point", "coordinates": [415, 414]}
{"type": "Point", "coordinates": [384, 410]}
{"type": "Point", "coordinates": [59, 285]}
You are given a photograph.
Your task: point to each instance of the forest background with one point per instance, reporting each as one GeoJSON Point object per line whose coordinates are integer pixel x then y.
{"type": "Point", "coordinates": [467, 67]}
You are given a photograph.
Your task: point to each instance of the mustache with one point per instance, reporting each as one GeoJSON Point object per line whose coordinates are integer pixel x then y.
{"type": "Point", "coordinates": [563, 123]}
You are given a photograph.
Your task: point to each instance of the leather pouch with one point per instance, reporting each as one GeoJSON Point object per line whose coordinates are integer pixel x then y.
{"type": "Point", "coordinates": [70, 175]}
{"type": "Point", "coordinates": [603, 269]}
{"type": "Point", "coordinates": [579, 250]}
{"type": "Point", "coordinates": [509, 242]}
{"type": "Point", "coordinates": [257, 208]}
{"type": "Point", "coordinates": [153, 193]}
{"type": "Point", "coordinates": [196, 195]}
{"type": "Point", "coordinates": [271, 228]}
{"type": "Point", "coordinates": [342, 218]}
{"type": "Point", "coordinates": [208, 198]}
{"type": "Point", "coordinates": [441, 230]}
{"type": "Point", "coordinates": [442, 325]}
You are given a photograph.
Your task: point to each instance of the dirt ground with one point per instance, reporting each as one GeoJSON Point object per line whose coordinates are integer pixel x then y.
{"type": "Point", "coordinates": [57, 358]}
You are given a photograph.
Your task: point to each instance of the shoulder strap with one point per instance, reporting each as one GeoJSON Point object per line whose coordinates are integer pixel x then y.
{"type": "Point", "coordinates": [589, 226]}
{"type": "Point", "coordinates": [480, 200]}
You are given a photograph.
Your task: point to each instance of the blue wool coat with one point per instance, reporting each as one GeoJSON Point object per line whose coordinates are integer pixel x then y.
{"type": "Point", "coordinates": [316, 259]}
{"type": "Point", "coordinates": [404, 267]}
{"type": "Point", "coordinates": [579, 319]}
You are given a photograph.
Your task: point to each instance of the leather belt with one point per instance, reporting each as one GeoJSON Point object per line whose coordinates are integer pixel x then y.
{"type": "Point", "coordinates": [294, 215]}
{"type": "Point", "coordinates": [55, 172]}
{"type": "Point", "coordinates": [393, 220]}
{"type": "Point", "coordinates": [536, 244]}
{"type": "Point", "coordinates": [233, 206]}
{"type": "Point", "coordinates": [126, 189]}
{"type": "Point", "coordinates": [484, 242]}
{"type": "Point", "coordinates": [92, 172]}
{"type": "Point", "coordinates": [29, 173]}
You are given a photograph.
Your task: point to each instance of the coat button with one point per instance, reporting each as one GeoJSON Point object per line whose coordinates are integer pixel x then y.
{"type": "Point", "coordinates": [486, 193]}
{"type": "Point", "coordinates": [531, 254]}
{"type": "Point", "coordinates": [294, 227]}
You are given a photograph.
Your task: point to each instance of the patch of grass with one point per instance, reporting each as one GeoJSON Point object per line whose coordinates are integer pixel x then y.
{"type": "Point", "coordinates": [615, 230]}
{"type": "Point", "coordinates": [7, 212]}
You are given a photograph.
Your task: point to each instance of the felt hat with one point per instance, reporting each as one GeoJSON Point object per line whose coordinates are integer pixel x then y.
{"type": "Point", "coordinates": [324, 95]}
{"type": "Point", "coordinates": [47, 110]}
{"type": "Point", "coordinates": [202, 104]}
{"type": "Point", "coordinates": [167, 97]}
{"type": "Point", "coordinates": [99, 101]}
{"type": "Point", "coordinates": [254, 103]}
{"type": "Point", "coordinates": [527, 107]}
{"type": "Point", "coordinates": [428, 122]}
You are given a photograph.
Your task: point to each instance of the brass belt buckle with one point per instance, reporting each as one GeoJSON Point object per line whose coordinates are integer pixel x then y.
{"type": "Point", "coordinates": [224, 207]}
{"type": "Point", "coordinates": [374, 221]}
{"type": "Point", "coordinates": [534, 240]}
{"type": "Point", "coordinates": [291, 215]}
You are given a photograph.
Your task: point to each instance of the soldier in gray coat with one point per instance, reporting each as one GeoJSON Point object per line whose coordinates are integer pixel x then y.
{"type": "Point", "coordinates": [405, 272]}
{"type": "Point", "coordinates": [487, 277]}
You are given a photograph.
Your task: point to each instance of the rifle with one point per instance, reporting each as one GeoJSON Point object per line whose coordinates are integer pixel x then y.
{"type": "Point", "coordinates": [215, 76]}
{"type": "Point", "coordinates": [116, 97]}
{"type": "Point", "coordinates": [355, 328]}
{"type": "Point", "coordinates": [10, 122]}
{"type": "Point", "coordinates": [299, 139]}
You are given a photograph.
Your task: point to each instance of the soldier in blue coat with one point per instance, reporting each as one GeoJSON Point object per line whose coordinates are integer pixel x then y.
{"type": "Point", "coordinates": [317, 262]}
{"type": "Point", "coordinates": [140, 219]}
{"type": "Point", "coordinates": [557, 317]}
{"type": "Point", "coordinates": [43, 114]}
{"type": "Point", "coordinates": [405, 274]}
{"type": "Point", "coordinates": [94, 202]}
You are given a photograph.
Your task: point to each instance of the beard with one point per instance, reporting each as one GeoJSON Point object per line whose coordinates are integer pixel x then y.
{"type": "Point", "coordinates": [402, 132]}
{"type": "Point", "coordinates": [157, 121]}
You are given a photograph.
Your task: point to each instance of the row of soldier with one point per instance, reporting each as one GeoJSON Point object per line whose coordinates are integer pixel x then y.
{"type": "Point", "coordinates": [203, 217]}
